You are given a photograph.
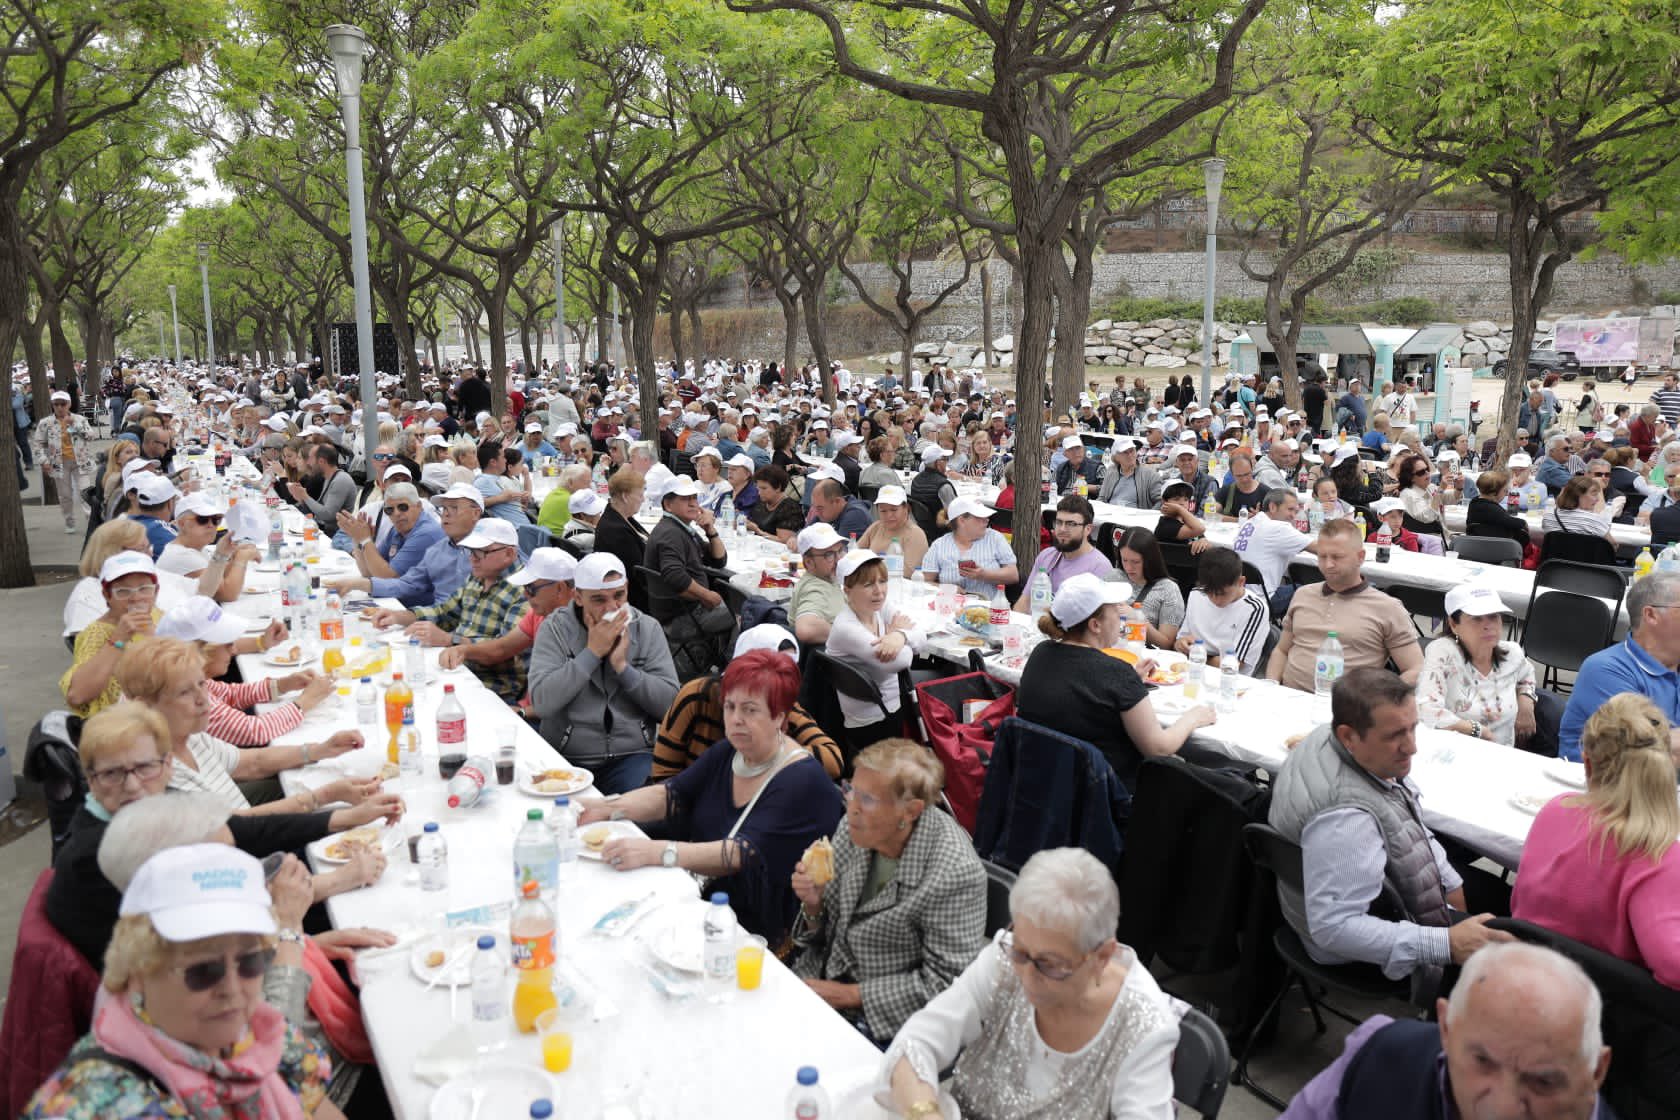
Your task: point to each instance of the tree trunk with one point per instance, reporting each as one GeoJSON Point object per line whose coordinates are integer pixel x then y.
{"type": "Point", "coordinates": [816, 333]}
{"type": "Point", "coordinates": [695, 331]}
{"type": "Point", "coordinates": [986, 312]}
{"type": "Point", "coordinates": [912, 326]}
{"type": "Point", "coordinates": [1032, 351]}
{"type": "Point", "coordinates": [677, 351]}
{"type": "Point", "coordinates": [1073, 304]}
{"type": "Point", "coordinates": [1532, 270]}
{"type": "Point", "coordinates": [790, 328]}
{"type": "Point", "coordinates": [495, 311]}
{"type": "Point", "coordinates": [644, 309]}
{"type": "Point", "coordinates": [603, 330]}
{"type": "Point", "coordinates": [1283, 338]}
{"type": "Point", "coordinates": [525, 345]}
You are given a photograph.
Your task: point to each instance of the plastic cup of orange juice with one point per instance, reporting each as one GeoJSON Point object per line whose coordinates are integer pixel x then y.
{"type": "Point", "coordinates": [749, 963]}
{"type": "Point", "coordinates": [556, 1041]}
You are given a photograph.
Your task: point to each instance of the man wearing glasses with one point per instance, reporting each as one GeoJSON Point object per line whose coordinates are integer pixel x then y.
{"type": "Point", "coordinates": [546, 583]}
{"type": "Point", "coordinates": [438, 572]}
{"type": "Point", "coordinates": [817, 600]}
{"type": "Point", "coordinates": [1644, 662]}
{"type": "Point", "coordinates": [485, 607]}
{"type": "Point", "coordinates": [1070, 553]}
{"type": "Point", "coordinates": [397, 536]}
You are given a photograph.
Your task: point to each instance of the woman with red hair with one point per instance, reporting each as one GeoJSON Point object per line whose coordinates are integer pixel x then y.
{"type": "Point", "coordinates": [743, 813]}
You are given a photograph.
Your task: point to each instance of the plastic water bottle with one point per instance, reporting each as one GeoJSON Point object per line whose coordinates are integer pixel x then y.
{"type": "Point", "coordinates": [1642, 564]}
{"type": "Point", "coordinates": [726, 514]}
{"type": "Point", "coordinates": [1315, 518]}
{"type": "Point", "coordinates": [433, 858]}
{"type": "Point", "coordinates": [1669, 561]}
{"type": "Point", "coordinates": [1195, 678]}
{"type": "Point", "coordinates": [276, 539]}
{"type": "Point", "coordinates": [999, 616]}
{"type": "Point", "coordinates": [562, 823]}
{"type": "Point", "coordinates": [414, 664]}
{"type": "Point", "coordinates": [720, 945]}
{"type": "Point", "coordinates": [1328, 668]}
{"type": "Point", "coordinates": [808, 1100]}
{"type": "Point", "coordinates": [1228, 669]}
{"type": "Point", "coordinates": [297, 598]}
{"type": "Point", "coordinates": [367, 703]}
{"type": "Point", "coordinates": [489, 996]}
{"type": "Point", "coordinates": [1041, 595]}
{"type": "Point", "coordinates": [408, 748]}
{"type": "Point", "coordinates": [467, 786]}
{"type": "Point", "coordinates": [451, 722]}
{"type": "Point", "coordinates": [893, 558]}
{"type": "Point", "coordinates": [536, 857]}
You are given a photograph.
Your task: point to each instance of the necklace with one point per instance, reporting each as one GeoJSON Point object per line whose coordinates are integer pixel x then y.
{"type": "Point", "coordinates": [745, 769]}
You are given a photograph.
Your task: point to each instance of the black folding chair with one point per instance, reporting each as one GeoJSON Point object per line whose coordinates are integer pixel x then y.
{"type": "Point", "coordinates": [1201, 1065]}
{"type": "Point", "coordinates": [999, 882]}
{"type": "Point", "coordinates": [1424, 602]}
{"type": "Point", "coordinates": [1107, 541]}
{"type": "Point", "coordinates": [1563, 633]}
{"type": "Point", "coordinates": [1274, 853]}
{"type": "Point", "coordinates": [1583, 579]}
{"type": "Point", "coordinates": [532, 537]}
{"type": "Point", "coordinates": [1580, 547]}
{"type": "Point", "coordinates": [1489, 550]}
{"type": "Point", "coordinates": [869, 491]}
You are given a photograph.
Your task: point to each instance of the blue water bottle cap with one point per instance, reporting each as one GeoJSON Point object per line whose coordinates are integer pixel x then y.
{"type": "Point", "coordinates": [487, 941]}
{"type": "Point", "coordinates": [719, 898]}
{"type": "Point", "coordinates": [541, 1110]}
{"type": "Point", "coordinates": [431, 826]}
{"type": "Point", "coordinates": [807, 1075]}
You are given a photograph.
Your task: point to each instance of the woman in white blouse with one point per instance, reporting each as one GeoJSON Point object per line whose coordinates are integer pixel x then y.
{"type": "Point", "coordinates": [1054, 1018]}
{"type": "Point", "coordinates": [1581, 509]}
{"type": "Point", "coordinates": [1472, 682]}
{"type": "Point", "coordinates": [872, 640]}
{"type": "Point", "coordinates": [708, 471]}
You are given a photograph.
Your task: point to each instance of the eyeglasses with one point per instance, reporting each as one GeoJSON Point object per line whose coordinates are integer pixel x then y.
{"type": "Point", "coordinates": [868, 802]}
{"type": "Point", "coordinates": [124, 594]}
{"type": "Point", "coordinates": [115, 777]}
{"type": "Point", "coordinates": [1064, 523]}
{"type": "Point", "coordinates": [1049, 968]}
{"type": "Point", "coordinates": [481, 553]}
{"type": "Point", "coordinates": [206, 519]}
{"type": "Point", "coordinates": [204, 975]}
{"type": "Point", "coordinates": [380, 457]}
{"type": "Point", "coordinates": [401, 507]}
{"type": "Point", "coordinates": [532, 590]}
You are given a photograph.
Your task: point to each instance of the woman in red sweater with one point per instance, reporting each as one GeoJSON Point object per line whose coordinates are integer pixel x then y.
{"type": "Point", "coordinates": [1603, 867]}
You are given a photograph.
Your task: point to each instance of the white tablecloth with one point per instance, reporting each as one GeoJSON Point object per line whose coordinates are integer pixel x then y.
{"type": "Point", "coordinates": [671, 1059]}
{"type": "Point", "coordinates": [1626, 536]}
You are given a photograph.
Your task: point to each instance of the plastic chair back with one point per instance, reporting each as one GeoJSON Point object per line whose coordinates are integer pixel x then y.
{"type": "Point", "coordinates": [1489, 550]}
{"type": "Point", "coordinates": [1580, 547]}
{"type": "Point", "coordinates": [49, 1005]}
{"type": "Point", "coordinates": [999, 882]}
{"type": "Point", "coordinates": [533, 536]}
{"type": "Point", "coordinates": [1201, 1064]}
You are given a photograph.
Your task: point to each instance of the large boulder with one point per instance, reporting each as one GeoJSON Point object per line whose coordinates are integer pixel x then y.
{"type": "Point", "coordinates": [1481, 328]}
{"type": "Point", "coordinates": [1164, 361]}
{"type": "Point", "coordinates": [1150, 331]}
{"type": "Point", "coordinates": [928, 350]}
{"type": "Point", "coordinates": [1475, 346]}
{"type": "Point", "coordinates": [1102, 324]}
{"type": "Point", "coordinates": [1004, 343]}
{"type": "Point", "coordinates": [1164, 324]}
{"type": "Point", "coordinates": [1127, 325]}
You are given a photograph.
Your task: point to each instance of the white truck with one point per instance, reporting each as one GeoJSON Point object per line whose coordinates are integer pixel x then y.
{"type": "Point", "coordinates": [1610, 345]}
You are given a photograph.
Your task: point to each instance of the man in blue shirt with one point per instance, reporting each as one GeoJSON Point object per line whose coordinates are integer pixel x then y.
{"type": "Point", "coordinates": [1644, 662]}
{"type": "Point", "coordinates": [831, 504]}
{"type": "Point", "coordinates": [443, 568]}
{"type": "Point", "coordinates": [155, 496]}
{"type": "Point", "coordinates": [1350, 410]}
{"type": "Point", "coordinates": [1554, 470]}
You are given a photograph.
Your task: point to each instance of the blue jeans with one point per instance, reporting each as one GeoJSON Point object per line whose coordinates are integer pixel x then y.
{"type": "Point", "coordinates": [623, 774]}
{"type": "Point", "coordinates": [117, 404]}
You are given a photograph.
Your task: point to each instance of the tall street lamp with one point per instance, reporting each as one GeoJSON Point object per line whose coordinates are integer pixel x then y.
{"type": "Point", "coordinates": [209, 331]}
{"type": "Point", "coordinates": [348, 44]}
{"type": "Point", "coordinates": [175, 317]}
{"type": "Point", "coordinates": [558, 232]}
{"type": "Point", "coordinates": [1213, 175]}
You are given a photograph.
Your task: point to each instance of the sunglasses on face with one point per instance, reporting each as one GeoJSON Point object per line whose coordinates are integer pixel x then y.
{"type": "Point", "coordinates": [483, 553]}
{"type": "Point", "coordinates": [204, 975]}
{"type": "Point", "coordinates": [379, 457]}
{"type": "Point", "coordinates": [532, 590]}
{"type": "Point", "coordinates": [401, 507]}
{"type": "Point", "coordinates": [210, 519]}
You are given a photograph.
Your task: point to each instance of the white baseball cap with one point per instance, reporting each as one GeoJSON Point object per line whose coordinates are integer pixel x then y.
{"type": "Point", "coordinates": [547, 564]}
{"type": "Point", "coordinates": [854, 560]}
{"type": "Point", "coordinates": [827, 470]}
{"type": "Point", "coordinates": [138, 466]}
{"type": "Point", "coordinates": [1382, 507]}
{"type": "Point", "coordinates": [201, 619]}
{"type": "Point", "coordinates": [491, 531]}
{"type": "Point", "coordinates": [434, 441]}
{"type": "Point", "coordinates": [1071, 442]}
{"type": "Point", "coordinates": [973, 507]}
{"type": "Point", "coordinates": [126, 563]}
{"type": "Point", "coordinates": [740, 460]}
{"type": "Point", "coordinates": [708, 452]}
{"type": "Point", "coordinates": [200, 504]}
{"type": "Point", "coordinates": [767, 635]}
{"type": "Point", "coordinates": [533, 426]}
{"type": "Point", "coordinates": [396, 469]}
{"type": "Point", "coordinates": [846, 439]}
{"type": "Point", "coordinates": [1477, 601]}
{"type": "Point", "coordinates": [61, 395]}
{"type": "Point", "coordinates": [819, 424]}
{"type": "Point", "coordinates": [197, 891]}
{"type": "Point", "coordinates": [891, 496]}
{"type": "Point", "coordinates": [817, 536]}
{"type": "Point", "coordinates": [588, 503]}
{"type": "Point", "coordinates": [1343, 454]}
{"type": "Point", "coordinates": [1081, 596]}
{"type": "Point", "coordinates": [599, 571]}
{"type": "Point", "coordinates": [466, 492]}
{"type": "Point", "coordinates": [933, 453]}
{"type": "Point", "coordinates": [1123, 443]}
{"type": "Point", "coordinates": [1185, 449]}
{"type": "Point", "coordinates": [156, 490]}
{"type": "Point", "coordinates": [1447, 455]}
{"type": "Point", "coordinates": [681, 487]}
{"type": "Point", "coordinates": [1520, 459]}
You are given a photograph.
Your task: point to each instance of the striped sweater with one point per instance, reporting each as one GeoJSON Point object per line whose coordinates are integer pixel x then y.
{"type": "Point", "coordinates": [229, 722]}
{"type": "Point", "coordinates": [695, 721]}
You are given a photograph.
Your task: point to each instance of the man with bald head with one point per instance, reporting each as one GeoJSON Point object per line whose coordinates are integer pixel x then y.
{"type": "Point", "coordinates": [1519, 1039]}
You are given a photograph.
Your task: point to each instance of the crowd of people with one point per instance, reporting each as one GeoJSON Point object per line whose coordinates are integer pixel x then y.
{"type": "Point", "coordinates": [593, 604]}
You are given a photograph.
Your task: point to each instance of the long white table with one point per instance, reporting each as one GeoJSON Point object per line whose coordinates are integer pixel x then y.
{"type": "Point", "coordinates": [633, 1046]}
{"type": "Point", "coordinates": [1634, 536]}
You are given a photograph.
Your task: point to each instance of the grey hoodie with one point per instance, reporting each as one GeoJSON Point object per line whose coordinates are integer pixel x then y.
{"type": "Point", "coordinates": [571, 688]}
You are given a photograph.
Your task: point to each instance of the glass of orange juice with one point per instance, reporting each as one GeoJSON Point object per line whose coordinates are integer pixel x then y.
{"type": "Point", "coordinates": [749, 963]}
{"type": "Point", "coordinates": [556, 1041]}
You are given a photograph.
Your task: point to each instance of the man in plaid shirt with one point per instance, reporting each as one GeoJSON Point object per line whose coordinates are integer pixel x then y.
{"type": "Point", "coordinates": [486, 606]}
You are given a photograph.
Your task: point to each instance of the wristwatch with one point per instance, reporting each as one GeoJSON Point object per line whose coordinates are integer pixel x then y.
{"type": "Point", "coordinates": [668, 858]}
{"type": "Point", "coordinates": [290, 936]}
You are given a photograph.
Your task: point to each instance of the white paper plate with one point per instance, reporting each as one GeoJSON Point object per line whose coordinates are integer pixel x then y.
{"type": "Point", "coordinates": [583, 780]}
{"type": "Point", "coordinates": [615, 830]}
{"type": "Point", "coordinates": [455, 941]}
{"type": "Point", "coordinates": [278, 657]}
{"type": "Point", "coordinates": [331, 850]}
{"type": "Point", "coordinates": [1530, 803]}
{"type": "Point", "coordinates": [678, 940]}
{"type": "Point", "coordinates": [508, 1090]}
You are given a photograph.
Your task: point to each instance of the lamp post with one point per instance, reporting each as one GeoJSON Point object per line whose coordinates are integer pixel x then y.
{"type": "Point", "coordinates": [175, 317]}
{"type": "Point", "coordinates": [559, 235]}
{"type": "Point", "coordinates": [209, 331]}
{"type": "Point", "coordinates": [348, 45]}
{"type": "Point", "coordinates": [1213, 176]}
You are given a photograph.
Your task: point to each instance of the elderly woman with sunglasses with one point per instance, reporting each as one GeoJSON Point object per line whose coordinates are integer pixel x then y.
{"type": "Point", "coordinates": [1054, 1018]}
{"type": "Point", "coordinates": [195, 550]}
{"type": "Point", "coordinates": [412, 534]}
{"type": "Point", "coordinates": [180, 1027]}
{"type": "Point", "coordinates": [905, 911]}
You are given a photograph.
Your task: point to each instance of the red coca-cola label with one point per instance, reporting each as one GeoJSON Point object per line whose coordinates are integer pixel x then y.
{"type": "Point", "coordinates": [451, 731]}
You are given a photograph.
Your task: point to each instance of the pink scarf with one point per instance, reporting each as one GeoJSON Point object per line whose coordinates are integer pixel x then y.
{"type": "Point", "coordinates": [247, 1086]}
